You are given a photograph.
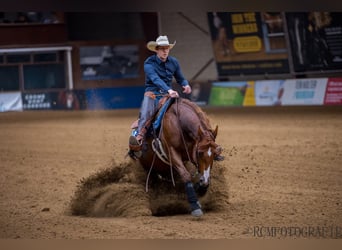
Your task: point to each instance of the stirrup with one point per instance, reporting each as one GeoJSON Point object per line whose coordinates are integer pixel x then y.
{"type": "Point", "coordinates": [134, 144]}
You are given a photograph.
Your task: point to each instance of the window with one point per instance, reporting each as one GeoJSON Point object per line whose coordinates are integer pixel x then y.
{"type": "Point", "coordinates": [45, 76]}
{"type": "Point", "coordinates": [109, 62]}
{"type": "Point", "coordinates": [32, 70]}
{"type": "Point", "coordinates": [20, 18]}
{"type": "Point", "coordinates": [45, 57]}
{"type": "Point", "coordinates": [9, 78]}
{"type": "Point", "coordinates": [18, 58]}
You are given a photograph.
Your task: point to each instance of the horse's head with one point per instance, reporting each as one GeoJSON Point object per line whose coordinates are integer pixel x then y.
{"type": "Point", "coordinates": [206, 151]}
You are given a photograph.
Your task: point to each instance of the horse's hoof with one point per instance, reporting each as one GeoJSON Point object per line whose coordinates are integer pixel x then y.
{"type": "Point", "coordinates": [197, 212]}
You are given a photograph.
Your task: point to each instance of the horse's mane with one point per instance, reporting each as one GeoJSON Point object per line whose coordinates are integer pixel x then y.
{"type": "Point", "coordinates": [205, 123]}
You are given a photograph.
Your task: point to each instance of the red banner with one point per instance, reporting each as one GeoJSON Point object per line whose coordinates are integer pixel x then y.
{"type": "Point", "coordinates": [333, 93]}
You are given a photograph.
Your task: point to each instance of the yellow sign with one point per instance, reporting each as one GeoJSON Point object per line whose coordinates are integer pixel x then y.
{"type": "Point", "coordinates": [245, 28]}
{"type": "Point", "coordinates": [249, 99]}
{"type": "Point", "coordinates": [247, 44]}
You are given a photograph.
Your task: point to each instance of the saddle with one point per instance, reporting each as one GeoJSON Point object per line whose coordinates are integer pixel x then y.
{"type": "Point", "coordinates": [163, 104]}
{"type": "Point", "coordinates": [152, 126]}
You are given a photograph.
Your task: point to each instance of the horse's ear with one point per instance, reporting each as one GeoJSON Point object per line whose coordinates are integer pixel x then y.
{"type": "Point", "coordinates": [215, 131]}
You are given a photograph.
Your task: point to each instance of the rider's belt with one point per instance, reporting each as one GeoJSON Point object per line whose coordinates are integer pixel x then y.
{"type": "Point", "coordinates": [150, 94]}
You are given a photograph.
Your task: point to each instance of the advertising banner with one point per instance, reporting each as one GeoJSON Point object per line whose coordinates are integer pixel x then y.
{"type": "Point", "coordinates": [316, 40]}
{"type": "Point", "coordinates": [10, 102]}
{"type": "Point", "coordinates": [248, 42]}
{"type": "Point", "coordinates": [268, 92]}
{"type": "Point", "coordinates": [39, 100]}
{"type": "Point", "coordinates": [304, 91]}
{"type": "Point", "coordinates": [227, 93]}
{"type": "Point", "coordinates": [333, 93]}
{"type": "Point", "coordinates": [57, 100]}
{"type": "Point", "coordinates": [114, 98]}
{"type": "Point", "coordinates": [250, 94]}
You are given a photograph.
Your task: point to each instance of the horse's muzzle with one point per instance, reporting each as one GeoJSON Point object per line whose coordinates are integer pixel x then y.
{"type": "Point", "coordinates": [201, 187]}
{"type": "Point", "coordinates": [218, 150]}
{"type": "Point", "coordinates": [204, 183]}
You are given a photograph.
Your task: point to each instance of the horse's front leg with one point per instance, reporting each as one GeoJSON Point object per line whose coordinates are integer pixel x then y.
{"type": "Point", "coordinates": [192, 199]}
{"type": "Point", "coordinates": [178, 164]}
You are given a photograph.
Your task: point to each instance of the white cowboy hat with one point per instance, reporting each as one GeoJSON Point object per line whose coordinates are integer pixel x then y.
{"type": "Point", "coordinates": [161, 41]}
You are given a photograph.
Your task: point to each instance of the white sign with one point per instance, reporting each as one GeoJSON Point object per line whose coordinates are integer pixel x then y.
{"type": "Point", "coordinates": [11, 102]}
{"type": "Point", "coordinates": [267, 93]}
{"type": "Point", "coordinates": [304, 91]}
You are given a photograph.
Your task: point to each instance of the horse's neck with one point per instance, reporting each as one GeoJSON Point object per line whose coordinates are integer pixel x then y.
{"type": "Point", "coordinates": [198, 112]}
{"type": "Point", "coordinates": [191, 121]}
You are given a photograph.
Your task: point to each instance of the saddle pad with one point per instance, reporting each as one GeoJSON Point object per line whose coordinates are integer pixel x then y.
{"type": "Point", "coordinates": [162, 110]}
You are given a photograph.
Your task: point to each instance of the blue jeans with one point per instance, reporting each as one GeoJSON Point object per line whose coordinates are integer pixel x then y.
{"type": "Point", "coordinates": [148, 107]}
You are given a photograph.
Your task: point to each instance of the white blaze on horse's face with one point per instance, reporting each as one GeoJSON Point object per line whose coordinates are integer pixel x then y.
{"type": "Point", "coordinates": [206, 175]}
{"type": "Point", "coordinates": [206, 163]}
{"type": "Point", "coordinates": [209, 151]}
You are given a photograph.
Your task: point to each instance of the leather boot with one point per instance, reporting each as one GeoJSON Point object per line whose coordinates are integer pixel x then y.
{"type": "Point", "coordinates": [135, 143]}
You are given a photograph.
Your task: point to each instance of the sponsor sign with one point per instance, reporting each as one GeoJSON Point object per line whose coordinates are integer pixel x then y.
{"type": "Point", "coordinates": [227, 93]}
{"type": "Point", "coordinates": [64, 100]}
{"type": "Point", "coordinates": [250, 94]}
{"type": "Point", "coordinates": [315, 40]}
{"type": "Point", "coordinates": [268, 92]}
{"type": "Point", "coordinates": [39, 100]}
{"type": "Point", "coordinates": [333, 93]}
{"type": "Point", "coordinates": [304, 91]}
{"type": "Point", "coordinates": [10, 102]}
{"type": "Point", "coordinates": [248, 43]}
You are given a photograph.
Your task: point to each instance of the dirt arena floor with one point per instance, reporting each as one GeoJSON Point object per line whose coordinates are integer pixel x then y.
{"type": "Point", "coordinates": [64, 175]}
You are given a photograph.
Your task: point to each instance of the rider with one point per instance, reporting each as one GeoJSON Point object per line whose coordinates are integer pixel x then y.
{"type": "Point", "coordinates": [159, 71]}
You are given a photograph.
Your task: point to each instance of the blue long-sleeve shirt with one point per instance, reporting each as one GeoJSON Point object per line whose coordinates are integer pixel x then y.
{"type": "Point", "coordinates": [159, 74]}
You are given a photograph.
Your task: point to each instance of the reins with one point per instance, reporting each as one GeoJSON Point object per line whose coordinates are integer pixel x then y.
{"type": "Point", "coordinates": [181, 132]}
{"type": "Point", "coordinates": [169, 153]}
{"type": "Point", "coordinates": [160, 157]}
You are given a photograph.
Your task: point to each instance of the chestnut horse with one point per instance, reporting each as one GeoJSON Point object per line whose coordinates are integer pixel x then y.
{"type": "Point", "coordinates": [185, 135]}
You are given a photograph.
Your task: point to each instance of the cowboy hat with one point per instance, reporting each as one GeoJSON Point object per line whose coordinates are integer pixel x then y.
{"type": "Point", "coordinates": [161, 41]}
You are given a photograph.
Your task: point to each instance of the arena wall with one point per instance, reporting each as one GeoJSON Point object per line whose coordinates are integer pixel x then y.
{"type": "Point", "coordinates": [289, 92]}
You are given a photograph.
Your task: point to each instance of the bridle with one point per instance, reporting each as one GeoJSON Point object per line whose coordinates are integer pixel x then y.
{"type": "Point", "coordinates": [205, 144]}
